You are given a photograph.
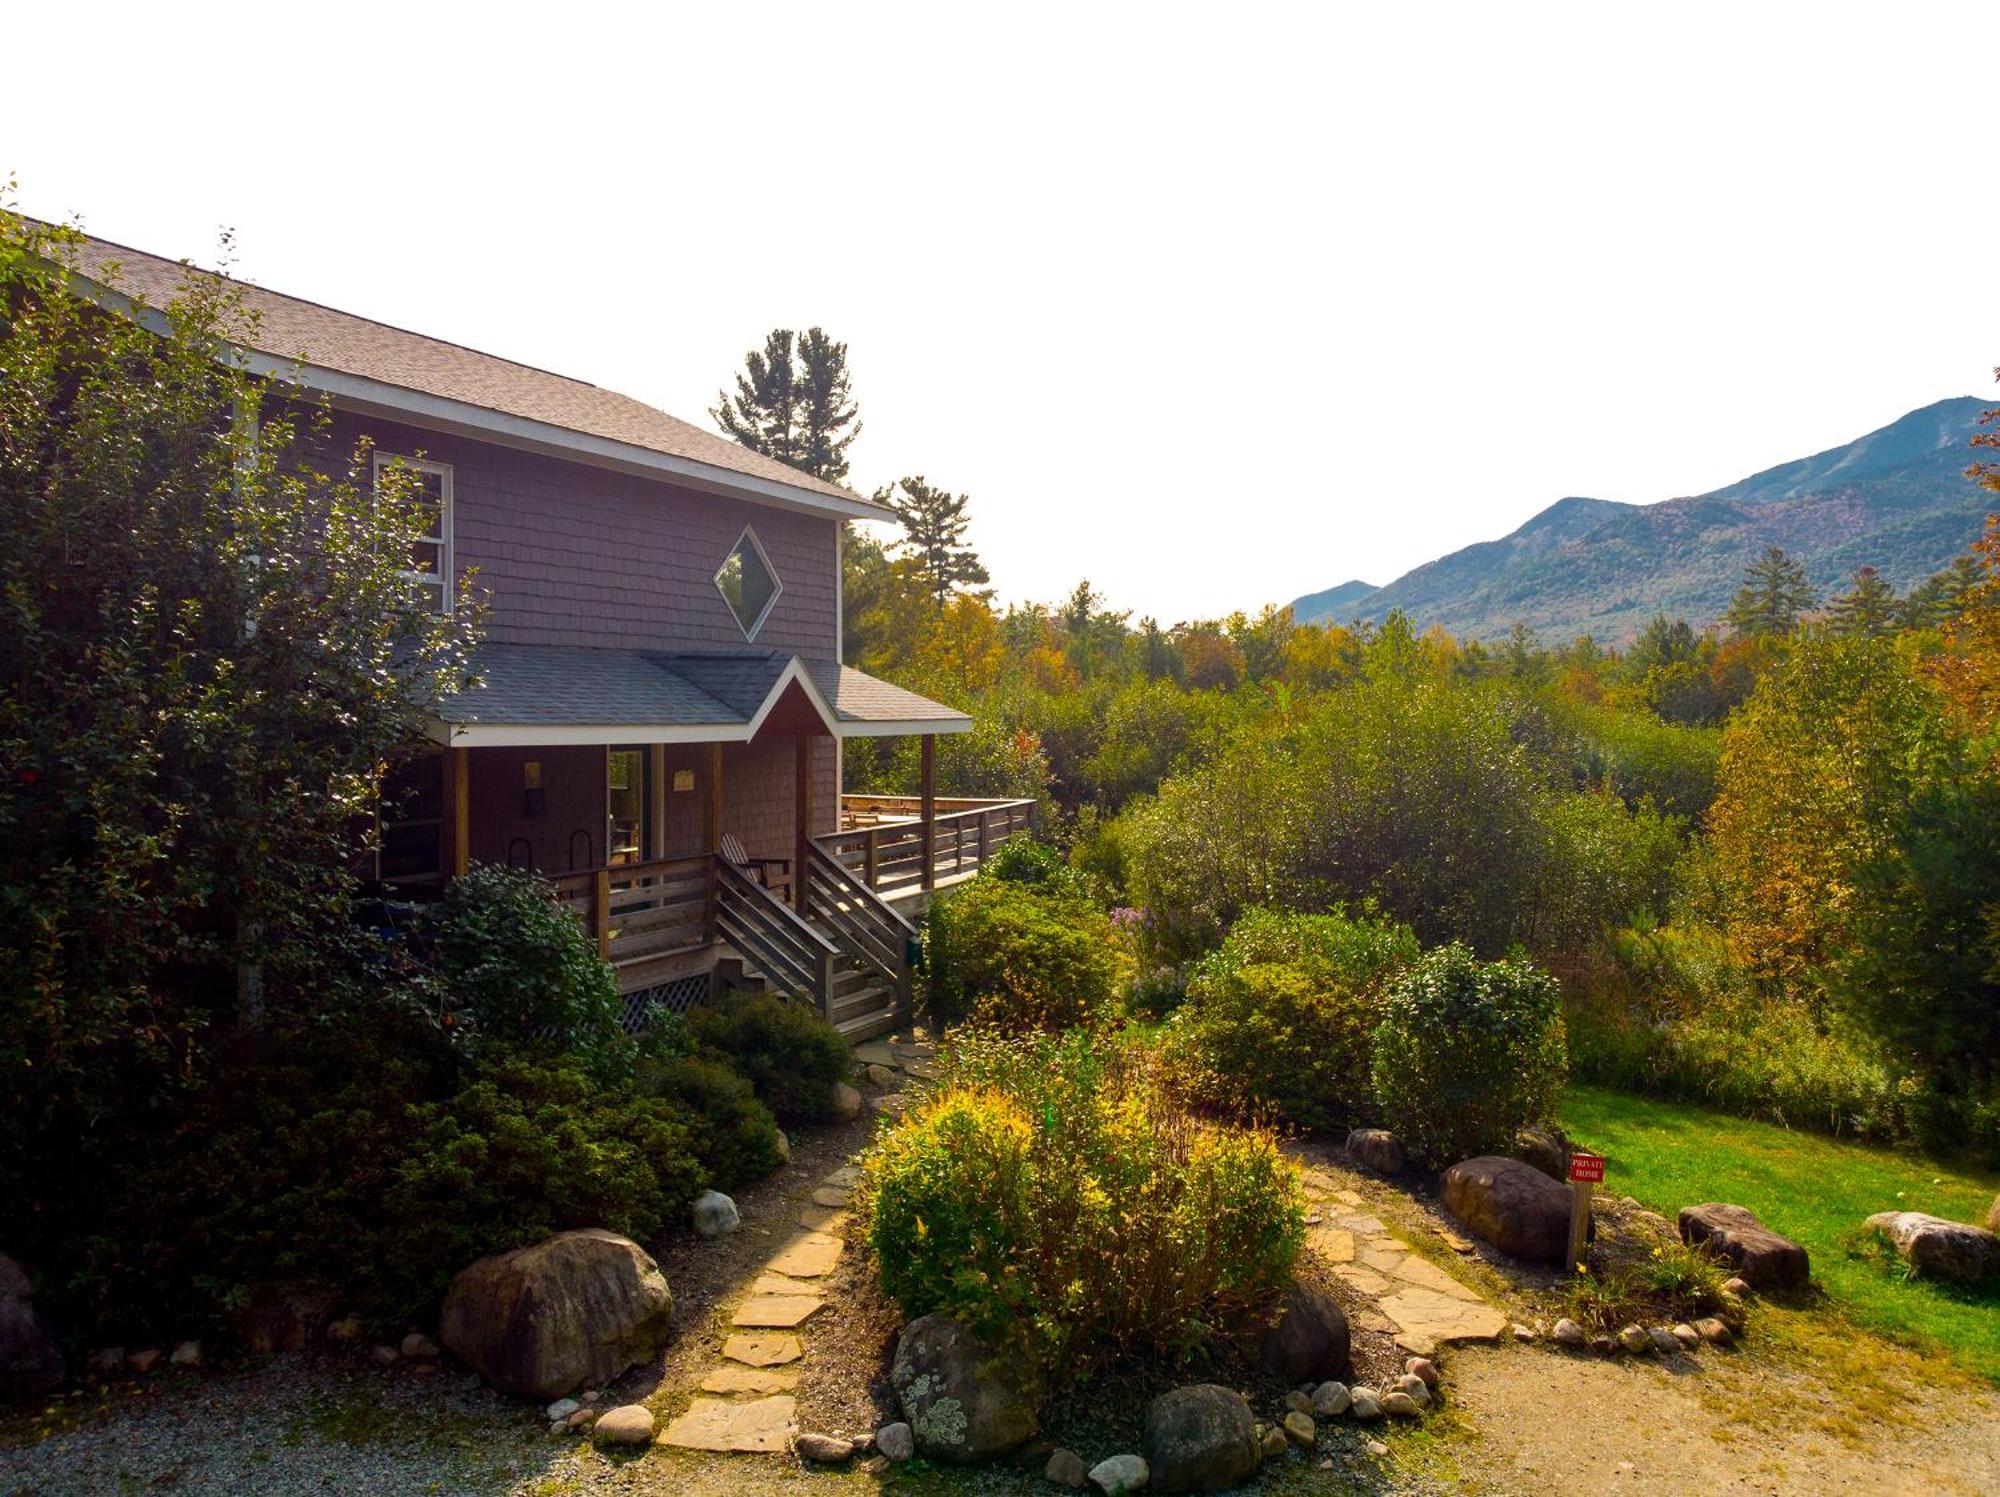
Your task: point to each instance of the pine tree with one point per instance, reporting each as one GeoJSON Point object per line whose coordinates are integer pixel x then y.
{"type": "Point", "coordinates": [1868, 611]}
{"type": "Point", "coordinates": [1941, 595]}
{"type": "Point", "coordinates": [1774, 595]}
{"type": "Point", "coordinates": [934, 522]}
{"type": "Point", "coordinates": [793, 402]}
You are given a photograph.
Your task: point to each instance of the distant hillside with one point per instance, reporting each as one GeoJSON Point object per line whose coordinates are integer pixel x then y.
{"type": "Point", "coordinates": [1897, 498]}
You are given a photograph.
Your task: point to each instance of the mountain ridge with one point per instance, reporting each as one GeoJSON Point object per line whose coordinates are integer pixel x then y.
{"type": "Point", "coordinates": [1895, 498]}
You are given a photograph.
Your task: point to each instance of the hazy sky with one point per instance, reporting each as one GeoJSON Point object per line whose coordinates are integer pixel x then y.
{"type": "Point", "coordinates": [1215, 306]}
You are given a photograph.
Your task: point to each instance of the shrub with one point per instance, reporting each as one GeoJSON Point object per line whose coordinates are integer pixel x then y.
{"type": "Point", "coordinates": [1023, 860]}
{"type": "Point", "coordinates": [731, 1132]}
{"type": "Point", "coordinates": [1467, 1053]}
{"type": "Point", "coordinates": [1283, 1014]}
{"type": "Point", "coordinates": [1054, 1189]}
{"type": "Point", "coordinates": [526, 1150]}
{"type": "Point", "coordinates": [518, 968]}
{"type": "Point", "coordinates": [1019, 956]}
{"type": "Point", "coordinates": [791, 1056]}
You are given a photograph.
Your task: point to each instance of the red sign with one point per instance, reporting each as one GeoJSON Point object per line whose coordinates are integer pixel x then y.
{"type": "Point", "coordinates": [1586, 1169]}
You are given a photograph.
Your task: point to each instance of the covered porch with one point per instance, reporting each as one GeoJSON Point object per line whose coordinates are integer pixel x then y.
{"type": "Point", "coordinates": [687, 807]}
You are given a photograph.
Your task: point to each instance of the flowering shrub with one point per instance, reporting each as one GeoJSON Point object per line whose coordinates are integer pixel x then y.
{"type": "Point", "coordinates": [1055, 1189]}
{"type": "Point", "coordinates": [1467, 1053]}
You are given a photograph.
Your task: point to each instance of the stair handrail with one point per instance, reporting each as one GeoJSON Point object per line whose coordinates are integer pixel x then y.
{"type": "Point", "coordinates": [766, 925]}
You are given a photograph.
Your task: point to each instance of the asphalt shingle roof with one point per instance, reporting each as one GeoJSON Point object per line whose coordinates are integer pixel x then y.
{"type": "Point", "coordinates": [578, 685]}
{"type": "Point", "coordinates": [291, 328]}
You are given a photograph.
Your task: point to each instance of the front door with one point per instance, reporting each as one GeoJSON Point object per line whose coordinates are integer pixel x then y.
{"type": "Point", "coordinates": [625, 801]}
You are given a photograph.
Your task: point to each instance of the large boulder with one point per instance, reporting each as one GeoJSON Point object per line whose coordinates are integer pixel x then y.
{"type": "Point", "coordinates": [542, 1321]}
{"type": "Point", "coordinates": [1512, 1205]}
{"type": "Point", "coordinates": [30, 1358]}
{"type": "Point", "coordinates": [1993, 1216]}
{"type": "Point", "coordinates": [1939, 1249]}
{"type": "Point", "coordinates": [964, 1400]}
{"type": "Point", "coordinates": [1309, 1340]}
{"type": "Point", "coordinates": [1375, 1148]}
{"type": "Point", "coordinates": [1201, 1439]}
{"type": "Point", "coordinates": [1763, 1258]}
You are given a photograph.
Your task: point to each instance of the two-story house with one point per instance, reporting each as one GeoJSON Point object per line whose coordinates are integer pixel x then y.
{"type": "Point", "coordinates": [662, 704]}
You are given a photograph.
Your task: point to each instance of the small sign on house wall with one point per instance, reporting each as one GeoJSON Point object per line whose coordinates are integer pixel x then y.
{"type": "Point", "coordinates": [683, 779]}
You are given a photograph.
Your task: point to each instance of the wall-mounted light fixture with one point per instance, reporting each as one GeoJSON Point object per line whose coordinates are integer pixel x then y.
{"type": "Point", "coordinates": [534, 800]}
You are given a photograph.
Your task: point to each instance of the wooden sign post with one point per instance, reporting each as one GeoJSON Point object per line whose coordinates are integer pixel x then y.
{"type": "Point", "coordinates": [1586, 1171]}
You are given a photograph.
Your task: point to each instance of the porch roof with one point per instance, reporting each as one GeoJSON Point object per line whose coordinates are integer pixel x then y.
{"type": "Point", "coordinates": [557, 694]}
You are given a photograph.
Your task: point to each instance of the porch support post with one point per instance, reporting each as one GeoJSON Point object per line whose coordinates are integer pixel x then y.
{"type": "Point", "coordinates": [458, 811]}
{"type": "Point", "coordinates": [928, 814]}
{"type": "Point", "coordinates": [656, 807]}
{"type": "Point", "coordinates": [711, 806]}
{"type": "Point", "coordinates": [801, 819]}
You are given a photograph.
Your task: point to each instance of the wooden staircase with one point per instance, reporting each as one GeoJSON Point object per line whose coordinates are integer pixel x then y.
{"type": "Point", "coordinates": [848, 954]}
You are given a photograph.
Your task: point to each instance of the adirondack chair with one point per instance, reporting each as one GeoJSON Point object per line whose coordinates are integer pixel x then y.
{"type": "Point", "coordinates": [772, 873]}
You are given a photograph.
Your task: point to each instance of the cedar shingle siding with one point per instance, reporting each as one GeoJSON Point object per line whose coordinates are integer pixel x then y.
{"type": "Point", "coordinates": [574, 555]}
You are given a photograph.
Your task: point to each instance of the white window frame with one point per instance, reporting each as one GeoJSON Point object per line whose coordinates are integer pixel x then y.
{"type": "Point", "coordinates": [777, 583]}
{"type": "Point", "coordinates": [443, 577]}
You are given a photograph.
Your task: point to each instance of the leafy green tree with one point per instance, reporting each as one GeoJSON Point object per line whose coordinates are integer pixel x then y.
{"type": "Point", "coordinates": [1774, 596]}
{"type": "Point", "coordinates": [1942, 594]}
{"type": "Point", "coordinates": [1662, 643]}
{"type": "Point", "coordinates": [210, 649]}
{"type": "Point", "coordinates": [1869, 610]}
{"type": "Point", "coordinates": [794, 402]}
{"type": "Point", "coordinates": [934, 524]}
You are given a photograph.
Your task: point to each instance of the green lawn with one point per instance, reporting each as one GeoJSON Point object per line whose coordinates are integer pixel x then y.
{"type": "Point", "coordinates": [1816, 1191]}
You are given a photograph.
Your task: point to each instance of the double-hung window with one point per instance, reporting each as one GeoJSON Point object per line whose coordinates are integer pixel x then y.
{"type": "Point", "coordinates": [430, 554]}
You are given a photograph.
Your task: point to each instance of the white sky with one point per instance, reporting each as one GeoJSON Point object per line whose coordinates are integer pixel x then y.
{"type": "Point", "coordinates": [1216, 306]}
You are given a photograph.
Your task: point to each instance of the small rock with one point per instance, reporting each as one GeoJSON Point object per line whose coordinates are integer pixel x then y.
{"type": "Point", "coordinates": [1325, 1465]}
{"type": "Point", "coordinates": [1066, 1469]}
{"type": "Point", "coordinates": [628, 1424]}
{"type": "Point", "coordinates": [1713, 1328]}
{"type": "Point", "coordinates": [346, 1331]}
{"type": "Point", "coordinates": [1569, 1333]}
{"type": "Point", "coordinates": [419, 1346]}
{"type": "Point", "coordinates": [1330, 1399]}
{"type": "Point", "coordinates": [1298, 1403]}
{"type": "Point", "coordinates": [1415, 1389]}
{"type": "Point", "coordinates": [1665, 1342]}
{"type": "Point", "coordinates": [558, 1427]}
{"type": "Point", "coordinates": [1377, 1449]}
{"type": "Point", "coordinates": [1273, 1443]}
{"type": "Point", "coordinates": [1365, 1403]}
{"type": "Point", "coordinates": [1687, 1335]}
{"type": "Point", "coordinates": [384, 1355]}
{"type": "Point", "coordinates": [1300, 1429]}
{"type": "Point", "coordinates": [1634, 1339]}
{"type": "Point", "coordinates": [1425, 1368]}
{"type": "Point", "coordinates": [846, 1102]}
{"type": "Point", "coordinates": [1401, 1403]}
{"type": "Point", "coordinates": [896, 1441]}
{"type": "Point", "coordinates": [1120, 1473]}
{"type": "Point", "coordinates": [143, 1362]}
{"type": "Point", "coordinates": [875, 1465]}
{"type": "Point", "coordinates": [106, 1360]}
{"type": "Point", "coordinates": [187, 1354]}
{"type": "Point", "coordinates": [581, 1419]}
{"type": "Point", "coordinates": [882, 1076]}
{"type": "Point", "coordinates": [784, 1148]}
{"type": "Point", "coordinates": [1738, 1287]}
{"type": "Point", "coordinates": [1603, 1345]}
{"type": "Point", "coordinates": [827, 1450]}
{"type": "Point", "coordinates": [715, 1214]}
{"type": "Point", "coordinates": [1523, 1333]}
{"type": "Point", "coordinates": [562, 1408]}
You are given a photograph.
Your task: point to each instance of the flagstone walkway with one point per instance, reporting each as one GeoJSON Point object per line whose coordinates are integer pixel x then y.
{"type": "Point", "coordinates": [1414, 1300]}
{"type": "Point", "coordinates": [746, 1402]}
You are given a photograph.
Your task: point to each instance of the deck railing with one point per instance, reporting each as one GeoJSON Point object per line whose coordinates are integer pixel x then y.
{"type": "Point", "coordinates": [881, 841]}
{"type": "Point", "coordinates": [640, 910]}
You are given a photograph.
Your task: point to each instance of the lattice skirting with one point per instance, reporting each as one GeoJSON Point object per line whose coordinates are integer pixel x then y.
{"type": "Point", "coordinates": [644, 1004]}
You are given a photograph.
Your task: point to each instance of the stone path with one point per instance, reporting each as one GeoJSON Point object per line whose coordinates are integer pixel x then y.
{"type": "Point", "coordinates": [745, 1402]}
{"type": "Point", "coordinates": [1412, 1299]}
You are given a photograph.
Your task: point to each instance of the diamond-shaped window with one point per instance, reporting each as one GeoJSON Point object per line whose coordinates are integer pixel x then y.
{"type": "Point", "coordinates": [747, 583]}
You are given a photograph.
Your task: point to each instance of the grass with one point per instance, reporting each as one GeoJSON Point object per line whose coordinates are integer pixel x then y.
{"type": "Point", "coordinates": [1814, 1190]}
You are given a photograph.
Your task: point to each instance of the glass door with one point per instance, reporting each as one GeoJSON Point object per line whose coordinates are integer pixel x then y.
{"type": "Point", "coordinates": [625, 806]}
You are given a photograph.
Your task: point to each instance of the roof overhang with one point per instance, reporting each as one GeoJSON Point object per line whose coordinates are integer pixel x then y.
{"type": "Point", "coordinates": [366, 396]}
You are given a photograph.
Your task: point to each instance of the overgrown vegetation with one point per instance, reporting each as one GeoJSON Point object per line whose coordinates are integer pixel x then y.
{"type": "Point", "coordinates": [1056, 1193]}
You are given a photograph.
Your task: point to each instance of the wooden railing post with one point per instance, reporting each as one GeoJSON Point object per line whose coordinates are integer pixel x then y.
{"type": "Point", "coordinates": [600, 911]}
{"type": "Point", "coordinates": [985, 837]}
{"type": "Point", "coordinates": [823, 973]}
{"type": "Point", "coordinates": [929, 810]}
{"type": "Point", "coordinates": [871, 858]}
